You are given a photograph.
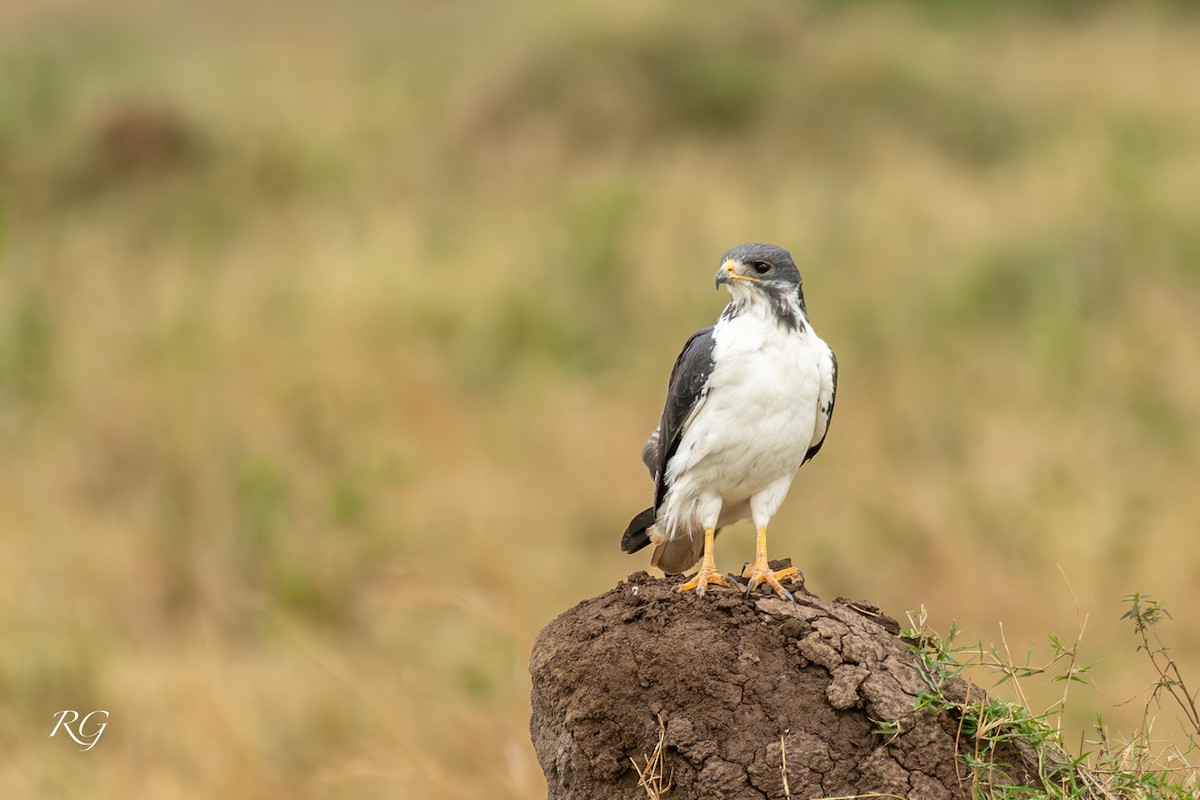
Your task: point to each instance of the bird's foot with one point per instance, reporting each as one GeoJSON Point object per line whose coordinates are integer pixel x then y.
{"type": "Point", "coordinates": [758, 574]}
{"type": "Point", "coordinates": [707, 576]}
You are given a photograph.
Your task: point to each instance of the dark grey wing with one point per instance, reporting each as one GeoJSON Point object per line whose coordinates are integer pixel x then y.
{"type": "Point", "coordinates": [688, 384]}
{"type": "Point", "coordinates": [636, 536]}
{"type": "Point", "coordinates": [825, 400]}
{"type": "Point", "coordinates": [685, 390]}
{"type": "Point", "coordinates": [650, 452]}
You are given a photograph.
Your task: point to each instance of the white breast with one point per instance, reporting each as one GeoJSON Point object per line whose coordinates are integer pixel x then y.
{"type": "Point", "coordinates": [753, 428]}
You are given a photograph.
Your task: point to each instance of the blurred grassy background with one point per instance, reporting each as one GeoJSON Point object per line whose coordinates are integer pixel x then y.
{"type": "Point", "coordinates": [330, 333]}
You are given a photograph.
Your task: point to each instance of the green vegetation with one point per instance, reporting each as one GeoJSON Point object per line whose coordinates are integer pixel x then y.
{"type": "Point", "coordinates": [329, 335]}
{"type": "Point", "coordinates": [1013, 752]}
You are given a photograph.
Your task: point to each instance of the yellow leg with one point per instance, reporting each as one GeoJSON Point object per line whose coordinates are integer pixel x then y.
{"type": "Point", "coordinates": [759, 572]}
{"type": "Point", "coordinates": [708, 574]}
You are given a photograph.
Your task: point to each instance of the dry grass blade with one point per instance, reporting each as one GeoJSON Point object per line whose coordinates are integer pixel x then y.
{"type": "Point", "coordinates": [651, 774]}
{"type": "Point", "coordinates": [787, 792]}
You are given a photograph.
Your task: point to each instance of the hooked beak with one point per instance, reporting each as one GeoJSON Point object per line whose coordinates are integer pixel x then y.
{"type": "Point", "coordinates": [730, 272]}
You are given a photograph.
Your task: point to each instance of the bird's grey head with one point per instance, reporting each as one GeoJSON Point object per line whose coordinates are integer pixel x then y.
{"type": "Point", "coordinates": [757, 270]}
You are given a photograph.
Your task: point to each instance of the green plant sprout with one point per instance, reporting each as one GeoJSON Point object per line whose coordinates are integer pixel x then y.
{"type": "Point", "coordinates": [1105, 768]}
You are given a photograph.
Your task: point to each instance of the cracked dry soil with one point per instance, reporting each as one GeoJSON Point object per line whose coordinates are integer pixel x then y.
{"type": "Point", "coordinates": [739, 684]}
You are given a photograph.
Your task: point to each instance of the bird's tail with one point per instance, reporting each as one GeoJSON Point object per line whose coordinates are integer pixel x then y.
{"type": "Point", "coordinates": [636, 535]}
{"type": "Point", "coordinates": [677, 555]}
{"type": "Point", "coordinates": [673, 556]}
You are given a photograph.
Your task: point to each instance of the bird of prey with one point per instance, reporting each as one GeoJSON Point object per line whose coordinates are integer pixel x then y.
{"type": "Point", "coordinates": [749, 401]}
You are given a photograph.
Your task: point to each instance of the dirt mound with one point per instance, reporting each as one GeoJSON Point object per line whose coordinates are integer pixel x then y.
{"type": "Point", "coordinates": [642, 687]}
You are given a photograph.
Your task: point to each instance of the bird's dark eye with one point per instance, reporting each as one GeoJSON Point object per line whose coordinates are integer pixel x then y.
{"type": "Point", "coordinates": [761, 267]}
